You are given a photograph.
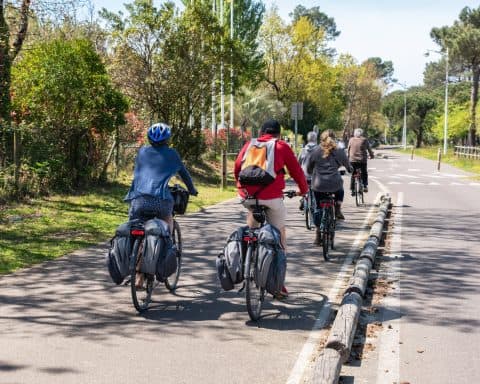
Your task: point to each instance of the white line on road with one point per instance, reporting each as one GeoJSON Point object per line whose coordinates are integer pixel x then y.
{"type": "Point", "coordinates": [414, 183]}
{"type": "Point", "coordinates": [389, 342]}
{"type": "Point", "coordinates": [310, 345]}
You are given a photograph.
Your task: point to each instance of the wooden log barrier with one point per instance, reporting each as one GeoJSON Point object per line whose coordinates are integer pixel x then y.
{"type": "Point", "coordinates": [339, 343]}
{"type": "Point", "coordinates": [345, 324]}
{"type": "Point", "coordinates": [327, 368]}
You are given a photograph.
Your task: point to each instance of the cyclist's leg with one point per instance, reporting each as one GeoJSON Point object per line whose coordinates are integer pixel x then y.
{"type": "Point", "coordinates": [364, 168]}
{"type": "Point", "coordinates": [276, 216]}
{"type": "Point", "coordinates": [251, 222]}
{"type": "Point", "coordinates": [355, 166]}
{"type": "Point", "coordinates": [339, 195]}
{"type": "Point", "coordinates": [318, 234]}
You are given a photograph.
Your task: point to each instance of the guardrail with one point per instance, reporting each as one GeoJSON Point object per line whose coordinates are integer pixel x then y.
{"type": "Point", "coordinates": [467, 152]}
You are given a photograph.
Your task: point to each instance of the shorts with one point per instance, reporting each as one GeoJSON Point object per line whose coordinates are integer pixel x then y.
{"type": "Point", "coordinates": [276, 212]}
{"type": "Point", "coordinates": [147, 207]}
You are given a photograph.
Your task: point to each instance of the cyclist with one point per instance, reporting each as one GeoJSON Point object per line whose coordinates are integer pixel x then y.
{"type": "Point", "coordinates": [323, 165]}
{"type": "Point", "coordinates": [271, 195]}
{"type": "Point", "coordinates": [358, 146]}
{"type": "Point", "coordinates": [155, 165]}
{"type": "Point", "coordinates": [303, 158]}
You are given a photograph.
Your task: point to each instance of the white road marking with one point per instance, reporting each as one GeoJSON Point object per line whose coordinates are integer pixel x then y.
{"type": "Point", "coordinates": [456, 184]}
{"type": "Point", "coordinates": [474, 184]}
{"type": "Point", "coordinates": [408, 176]}
{"type": "Point", "coordinates": [413, 170]}
{"type": "Point", "coordinates": [393, 182]}
{"type": "Point", "coordinates": [389, 341]}
{"type": "Point", "coordinates": [415, 183]}
{"type": "Point", "coordinates": [433, 183]}
{"type": "Point", "coordinates": [310, 346]}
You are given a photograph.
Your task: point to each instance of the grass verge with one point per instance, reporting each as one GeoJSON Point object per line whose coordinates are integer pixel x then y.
{"type": "Point", "coordinates": [46, 228]}
{"type": "Point", "coordinates": [469, 165]}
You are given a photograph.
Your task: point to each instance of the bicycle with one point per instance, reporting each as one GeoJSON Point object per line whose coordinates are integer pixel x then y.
{"type": "Point", "coordinates": [327, 222]}
{"type": "Point", "coordinates": [254, 294]}
{"type": "Point", "coordinates": [309, 209]}
{"type": "Point", "coordinates": [358, 187]}
{"type": "Point", "coordinates": [142, 296]}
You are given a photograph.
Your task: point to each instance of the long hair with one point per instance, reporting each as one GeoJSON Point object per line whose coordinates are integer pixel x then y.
{"type": "Point", "coordinates": [327, 142]}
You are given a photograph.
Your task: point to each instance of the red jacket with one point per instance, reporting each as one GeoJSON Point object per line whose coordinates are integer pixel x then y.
{"type": "Point", "coordinates": [284, 157]}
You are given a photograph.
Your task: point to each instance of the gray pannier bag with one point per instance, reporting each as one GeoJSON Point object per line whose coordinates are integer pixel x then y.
{"type": "Point", "coordinates": [159, 252]}
{"type": "Point", "coordinates": [271, 262]}
{"type": "Point", "coordinates": [230, 261]}
{"type": "Point", "coordinates": [118, 258]}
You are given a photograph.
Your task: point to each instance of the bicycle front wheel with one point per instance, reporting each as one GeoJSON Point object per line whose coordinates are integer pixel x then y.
{"type": "Point", "coordinates": [141, 284]}
{"type": "Point", "coordinates": [172, 281]}
{"type": "Point", "coordinates": [253, 294]}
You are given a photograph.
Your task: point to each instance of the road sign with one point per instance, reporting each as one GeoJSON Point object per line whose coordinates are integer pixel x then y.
{"type": "Point", "coordinates": [297, 111]}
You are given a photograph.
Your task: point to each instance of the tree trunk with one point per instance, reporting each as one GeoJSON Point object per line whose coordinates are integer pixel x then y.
{"type": "Point", "coordinates": [472, 132]}
{"type": "Point", "coordinates": [5, 70]}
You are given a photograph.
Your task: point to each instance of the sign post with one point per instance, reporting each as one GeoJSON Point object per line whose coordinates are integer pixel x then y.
{"type": "Point", "coordinates": [297, 114]}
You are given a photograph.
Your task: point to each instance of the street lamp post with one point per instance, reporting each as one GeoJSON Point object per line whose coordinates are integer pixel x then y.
{"type": "Point", "coordinates": [404, 132]}
{"type": "Point", "coordinates": [445, 123]}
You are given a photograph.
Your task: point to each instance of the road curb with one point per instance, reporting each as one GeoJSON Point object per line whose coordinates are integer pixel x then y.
{"type": "Point", "coordinates": [339, 343]}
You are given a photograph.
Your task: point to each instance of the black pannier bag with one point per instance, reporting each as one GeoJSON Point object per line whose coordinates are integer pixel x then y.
{"type": "Point", "coordinates": [118, 257]}
{"type": "Point", "coordinates": [272, 261]}
{"type": "Point", "coordinates": [159, 253]}
{"type": "Point", "coordinates": [230, 261]}
{"type": "Point", "coordinates": [180, 199]}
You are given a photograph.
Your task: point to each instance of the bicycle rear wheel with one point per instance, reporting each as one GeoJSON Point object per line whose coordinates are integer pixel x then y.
{"type": "Point", "coordinates": [357, 192]}
{"type": "Point", "coordinates": [172, 281]}
{"type": "Point", "coordinates": [254, 295]}
{"type": "Point", "coordinates": [141, 284]}
{"type": "Point", "coordinates": [325, 244]}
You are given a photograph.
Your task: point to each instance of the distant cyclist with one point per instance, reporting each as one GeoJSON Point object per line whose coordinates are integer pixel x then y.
{"type": "Point", "coordinates": [155, 165]}
{"type": "Point", "coordinates": [358, 151]}
{"type": "Point", "coordinates": [323, 164]}
{"type": "Point", "coordinates": [271, 195]}
{"type": "Point", "coordinates": [304, 156]}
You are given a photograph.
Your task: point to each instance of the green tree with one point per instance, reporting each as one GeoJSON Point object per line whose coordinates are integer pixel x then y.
{"type": "Point", "coordinates": [319, 20]}
{"type": "Point", "coordinates": [463, 41]}
{"type": "Point", "coordinates": [64, 98]}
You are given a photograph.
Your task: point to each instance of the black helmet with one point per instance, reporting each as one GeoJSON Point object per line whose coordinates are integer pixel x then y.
{"type": "Point", "coordinates": [271, 126]}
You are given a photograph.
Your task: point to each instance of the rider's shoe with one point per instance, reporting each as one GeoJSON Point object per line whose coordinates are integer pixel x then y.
{"type": "Point", "coordinates": [282, 294]}
{"type": "Point", "coordinates": [353, 192]}
{"type": "Point", "coordinates": [302, 204]}
{"type": "Point", "coordinates": [365, 188]}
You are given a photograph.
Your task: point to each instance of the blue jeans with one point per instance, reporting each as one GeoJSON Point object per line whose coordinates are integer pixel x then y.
{"type": "Point", "coordinates": [147, 207]}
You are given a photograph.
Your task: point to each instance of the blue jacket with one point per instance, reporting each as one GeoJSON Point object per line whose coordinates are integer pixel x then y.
{"type": "Point", "coordinates": [154, 167]}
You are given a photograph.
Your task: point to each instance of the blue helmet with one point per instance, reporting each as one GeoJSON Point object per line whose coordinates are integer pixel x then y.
{"type": "Point", "coordinates": [159, 132]}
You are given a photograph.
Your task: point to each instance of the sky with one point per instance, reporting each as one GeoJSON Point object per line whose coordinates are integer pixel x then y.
{"type": "Point", "coordinates": [396, 30]}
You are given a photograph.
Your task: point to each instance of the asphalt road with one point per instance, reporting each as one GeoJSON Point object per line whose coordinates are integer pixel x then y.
{"type": "Point", "coordinates": [65, 322]}
{"type": "Point", "coordinates": [431, 317]}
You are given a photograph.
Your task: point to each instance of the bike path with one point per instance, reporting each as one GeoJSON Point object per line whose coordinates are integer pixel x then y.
{"type": "Point", "coordinates": [65, 322]}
